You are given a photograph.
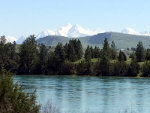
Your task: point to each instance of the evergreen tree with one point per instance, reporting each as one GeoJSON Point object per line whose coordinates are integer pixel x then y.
{"type": "Point", "coordinates": [104, 66]}
{"type": "Point", "coordinates": [113, 50]}
{"type": "Point", "coordinates": [81, 68]}
{"type": "Point", "coordinates": [53, 64]}
{"type": "Point", "coordinates": [43, 59]}
{"type": "Point", "coordinates": [92, 52]}
{"type": "Point", "coordinates": [79, 51]}
{"type": "Point", "coordinates": [146, 69]}
{"type": "Point", "coordinates": [8, 56]}
{"type": "Point", "coordinates": [28, 56]}
{"type": "Point", "coordinates": [106, 48]}
{"type": "Point", "coordinates": [88, 54]}
{"type": "Point", "coordinates": [133, 67]}
{"type": "Point", "coordinates": [140, 54]}
{"type": "Point", "coordinates": [60, 53]}
{"type": "Point", "coordinates": [122, 56]}
{"type": "Point", "coordinates": [96, 52]}
{"type": "Point", "coordinates": [147, 54]}
{"type": "Point", "coordinates": [121, 68]}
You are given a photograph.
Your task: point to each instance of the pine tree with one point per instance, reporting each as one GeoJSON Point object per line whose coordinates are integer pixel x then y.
{"type": "Point", "coordinates": [88, 54]}
{"type": "Point", "coordinates": [28, 56]}
{"type": "Point", "coordinates": [60, 53]}
{"type": "Point", "coordinates": [96, 52]}
{"type": "Point", "coordinates": [113, 50]}
{"type": "Point", "coordinates": [133, 67]}
{"type": "Point", "coordinates": [122, 56]}
{"type": "Point", "coordinates": [140, 54]}
{"type": "Point", "coordinates": [146, 69]}
{"type": "Point", "coordinates": [106, 48]}
{"type": "Point", "coordinates": [104, 66]}
{"type": "Point", "coordinates": [147, 54]}
{"type": "Point", "coordinates": [79, 51]}
{"type": "Point", "coordinates": [43, 59]}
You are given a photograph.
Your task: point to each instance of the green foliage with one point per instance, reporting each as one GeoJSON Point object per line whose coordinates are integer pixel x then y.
{"type": "Point", "coordinates": [104, 66]}
{"type": "Point", "coordinates": [88, 54]}
{"type": "Point", "coordinates": [60, 53]}
{"type": "Point", "coordinates": [140, 54]}
{"type": "Point", "coordinates": [133, 67]}
{"type": "Point", "coordinates": [13, 99]}
{"type": "Point", "coordinates": [120, 69]}
{"type": "Point", "coordinates": [43, 59]}
{"type": "Point", "coordinates": [146, 69]}
{"type": "Point", "coordinates": [73, 50]}
{"type": "Point", "coordinates": [147, 54]}
{"type": "Point", "coordinates": [106, 49]}
{"type": "Point", "coordinates": [96, 52]}
{"type": "Point", "coordinates": [122, 56]}
{"type": "Point", "coordinates": [28, 56]}
{"type": "Point", "coordinates": [113, 50]}
{"type": "Point", "coordinates": [8, 56]}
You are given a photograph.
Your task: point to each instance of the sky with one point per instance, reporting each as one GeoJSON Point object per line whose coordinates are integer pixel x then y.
{"type": "Point", "coordinates": [24, 17]}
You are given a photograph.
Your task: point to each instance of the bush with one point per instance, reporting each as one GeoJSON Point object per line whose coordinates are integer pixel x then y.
{"type": "Point", "coordinates": [13, 99]}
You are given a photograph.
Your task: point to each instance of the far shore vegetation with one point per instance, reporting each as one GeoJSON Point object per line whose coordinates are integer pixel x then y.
{"type": "Point", "coordinates": [31, 58]}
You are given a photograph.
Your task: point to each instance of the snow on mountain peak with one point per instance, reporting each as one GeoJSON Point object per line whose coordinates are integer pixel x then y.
{"type": "Point", "coordinates": [128, 30]}
{"type": "Point", "coordinates": [45, 33]}
{"type": "Point", "coordinates": [69, 30]}
{"type": "Point", "coordinates": [10, 39]}
{"type": "Point", "coordinates": [63, 31]}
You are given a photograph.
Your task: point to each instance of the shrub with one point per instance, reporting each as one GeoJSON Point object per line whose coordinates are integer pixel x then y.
{"type": "Point", "coordinates": [13, 99]}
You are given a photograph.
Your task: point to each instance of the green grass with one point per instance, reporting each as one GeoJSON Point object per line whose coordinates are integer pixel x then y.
{"type": "Point", "coordinates": [94, 60]}
{"type": "Point", "coordinates": [128, 60]}
{"type": "Point", "coordinates": [82, 59]}
{"type": "Point", "coordinates": [78, 61]}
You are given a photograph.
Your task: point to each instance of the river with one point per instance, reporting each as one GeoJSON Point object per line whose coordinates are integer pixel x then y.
{"type": "Point", "coordinates": [77, 94]}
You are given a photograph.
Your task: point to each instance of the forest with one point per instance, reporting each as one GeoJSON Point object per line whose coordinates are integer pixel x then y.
{"type": "Point", "coordinates": [31, 58]}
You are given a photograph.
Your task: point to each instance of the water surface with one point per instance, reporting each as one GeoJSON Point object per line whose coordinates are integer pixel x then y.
{"type": "Point", "coordinates": [71, 94]}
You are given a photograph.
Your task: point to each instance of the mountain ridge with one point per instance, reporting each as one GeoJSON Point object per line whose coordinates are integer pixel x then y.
{"type": "Point", "coordinates": [122, 40]}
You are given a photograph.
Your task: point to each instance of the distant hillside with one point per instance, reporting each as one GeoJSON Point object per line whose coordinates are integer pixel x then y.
{"type": "Point", "coordinates": [122, 40]}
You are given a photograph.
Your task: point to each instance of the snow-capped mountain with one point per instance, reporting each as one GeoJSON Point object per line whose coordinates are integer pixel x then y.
{"type": "Point", "coordinates": [10, 39]}
{"type": "Point", "coordinates": [45, 33]}
{"type": "Point", "coordinates": [134, 32]}
{"type": "Point", "coordinates": [71, 31]}
{"type": "Point", "coordinates": [130, 31]}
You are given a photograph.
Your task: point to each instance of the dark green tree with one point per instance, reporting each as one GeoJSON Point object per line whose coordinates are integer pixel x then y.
{"type": "Point", "coordinates": [140, 54]}
{"type": "Point", "coordinates": [79, 50]}
{"type": "Point", "coordinates": [104, 66]}
{"type": "Point", "coordinates": [13, 99]}
{"type": "Point", "coordinates": [43, 59]}
{"type": "Point", "coordinates": [96, 52]}
{"type": "Point", "coordinates": [60, 53]}
{"type": "Point", "coordinates": [121, 68]}
{"type": "Point", "coordinates": [113, 50]}
{"type": "Point", "coordinates": [81, 68]}
{"type": "Point", "coordinates": [146, 69]}
{"type": "Point", "coordinates": [106, 49]}
{"type": "Point", "coordinates": [28, 56]}
{"type": "Point", "coordinates": [147, 54]}
{"type": "Point", "coordinates": [88, 54]}
{"type": "Point", "coordinates": [122, 56]}
{"type": "Point", "coordinates": [133, 67]}
{"type": "Point", "coordinates": [8, 56]}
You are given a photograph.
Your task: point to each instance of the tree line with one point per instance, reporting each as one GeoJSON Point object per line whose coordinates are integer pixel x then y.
{"type": "Point", "coordinates": [31, 58]}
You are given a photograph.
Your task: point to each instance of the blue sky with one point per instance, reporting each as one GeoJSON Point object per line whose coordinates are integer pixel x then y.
{"type": "Point", "coordinates": [21, 17]}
